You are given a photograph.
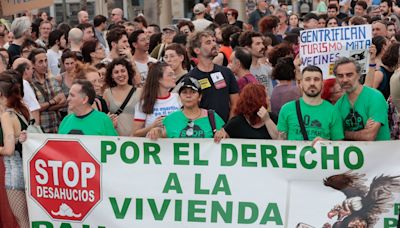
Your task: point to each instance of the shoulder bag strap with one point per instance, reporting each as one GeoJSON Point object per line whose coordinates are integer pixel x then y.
{"type": "Point", "coordinates": [121, 108]}
{"type": "Point", "coordinates": [299, 117]}
{"type": "Point", "coordinates": [211, 118]}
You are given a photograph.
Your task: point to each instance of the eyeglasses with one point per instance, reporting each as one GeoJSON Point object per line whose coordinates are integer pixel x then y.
{"type": "Point", "coordinates": [189, 131]}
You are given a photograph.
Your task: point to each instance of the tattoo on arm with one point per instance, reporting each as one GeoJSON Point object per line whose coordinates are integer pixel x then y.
{"type": "Point", "coordinates": [282, 135]}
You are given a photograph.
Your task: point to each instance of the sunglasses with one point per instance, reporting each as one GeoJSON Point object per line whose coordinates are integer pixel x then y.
{"type": "Point", "coordinates": [189, 131]}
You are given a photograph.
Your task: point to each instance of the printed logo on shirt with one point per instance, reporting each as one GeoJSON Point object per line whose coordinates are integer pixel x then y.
{"type": "Point", "coordinates": [353, 121]}
{"type": "Point", "coordinates": [192, 131]}
{"type": "Point", "coordinates": [313, 127]}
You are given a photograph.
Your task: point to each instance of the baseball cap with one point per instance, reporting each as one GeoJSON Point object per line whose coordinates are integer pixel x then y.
{"type": "Point", "coordinates": [199, 8]}
{"type": "Point", "coordinates": [170, 27]}
{"type": "Point", "coordinates": [189, 82]}
{"type": "Point", "coordinates": [310, 16]}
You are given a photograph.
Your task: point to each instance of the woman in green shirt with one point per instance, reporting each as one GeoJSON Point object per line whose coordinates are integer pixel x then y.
{"type": "Point", "coordinates": [191, 121]}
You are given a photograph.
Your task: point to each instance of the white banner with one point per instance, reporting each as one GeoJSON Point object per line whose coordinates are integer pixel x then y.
{"type": "Point", "coordinates": [321, 47]}
{"type": "Point", "coordinates": [90, 181]}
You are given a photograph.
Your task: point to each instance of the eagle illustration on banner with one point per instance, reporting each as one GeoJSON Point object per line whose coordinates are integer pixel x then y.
{"type": "Point", "coordinates": [362, 206]}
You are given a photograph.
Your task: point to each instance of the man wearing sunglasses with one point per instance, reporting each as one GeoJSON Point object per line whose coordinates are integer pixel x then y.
{"type": "Point", "coordinates": [363, 109]}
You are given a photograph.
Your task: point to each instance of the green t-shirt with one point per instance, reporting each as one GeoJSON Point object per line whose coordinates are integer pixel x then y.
{"type": "Point", "coordinates": [320, 120]}
{"type": "Point", "coordinates": [178, 126]}
{"type": "Point", "coordinates": [369, 104]}
{"type": "Point", "coordinates": [94, 123]}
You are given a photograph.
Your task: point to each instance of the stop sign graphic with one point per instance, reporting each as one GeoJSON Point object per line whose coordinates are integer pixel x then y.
{"type": "Point", "coordinates": [65, 180]}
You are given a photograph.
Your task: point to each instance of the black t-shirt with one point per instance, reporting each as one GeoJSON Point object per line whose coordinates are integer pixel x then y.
{"type": "Point", "coordinates": [217, 86]}
{"type": "Point", "coordinates": [13, 50]}
{"type": "Point", "coordinates": [341, 16]}
{"type": "Point", "coordinates": [239, 128]}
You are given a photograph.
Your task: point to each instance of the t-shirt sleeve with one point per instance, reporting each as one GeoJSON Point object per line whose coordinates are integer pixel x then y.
{"type": "Point", "coordinates": [233, 85]}
{"type": "Point", "coordinates": [282, 122]}
{"type": "Point", "coordinates": [30, 98]}
{"type": "Point", "coordinates": [62, 125]}
{"type": "Point", "coordinates": [219, 122]}
{"type": "Point", "coordinates": [139, 115]}
{"type": "Point", "coordinates": [337, 132]}
{"type": "Point", "coordinates": [378, 108]}
{"type": "Point", "coordinates": [109, 127]}
{"type": "Point", "coordinates": [231, 126]}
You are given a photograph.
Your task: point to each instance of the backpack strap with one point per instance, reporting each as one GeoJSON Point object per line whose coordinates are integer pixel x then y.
{"type": "Point", "coordinates": [122, 107]}
{"type": "Point", "coordinates": [300, 118]}
{"type": "Point", "coordinates": [211, 118]}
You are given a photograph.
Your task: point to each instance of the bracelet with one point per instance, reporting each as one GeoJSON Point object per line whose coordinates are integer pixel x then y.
{"type": "Point", "coordinates": [372, 65]}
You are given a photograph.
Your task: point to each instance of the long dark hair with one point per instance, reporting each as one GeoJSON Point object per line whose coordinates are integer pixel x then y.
{"type": "Point", "coordinates": [151, 87]}
{"type": "Point", "coordinates": [10, 87]}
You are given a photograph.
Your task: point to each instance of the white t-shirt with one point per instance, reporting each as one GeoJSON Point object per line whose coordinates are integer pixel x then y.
{"type": "Point", "coordinates": [201, 24]}
{"type": "Point", "coordinates": [30, 98]}
{"type": "Point", "coordinates": [53, 59]}
{"type": "Point", "coordinates": [162, 107]}
{"type": "Point", "coordinates": [143, 68]}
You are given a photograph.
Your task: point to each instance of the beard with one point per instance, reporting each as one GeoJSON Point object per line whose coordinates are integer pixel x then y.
{"type": "Point", "coordinates": [310, 93]}
{"type": "Point", "coordinates": [213, 53]}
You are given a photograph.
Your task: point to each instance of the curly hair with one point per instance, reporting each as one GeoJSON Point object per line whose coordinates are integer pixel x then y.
{"type": "Point", "coordinates": [284, 69]}
{"type": "Point", "coordinates": [279, 51]}
{"type": "Point", "coordinates": [119, 61]}
{"type": "Point", "coordinates": [391, 56]}
{"type": "Point", "coordinates": [251, 98]}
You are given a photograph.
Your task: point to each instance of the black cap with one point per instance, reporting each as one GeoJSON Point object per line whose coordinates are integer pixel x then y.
{"type": "Point", "coordinates": [189, 82]}
{"type": "Point", "coordinates": [310, 16]}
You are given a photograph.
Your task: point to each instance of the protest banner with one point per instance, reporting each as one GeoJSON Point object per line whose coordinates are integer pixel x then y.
{"type": "Point", "coordinates": [10, 7]}
{"type": "Point", "coordinates": [134, 182]}
{"type": "Point", "coordinates": [321, 47]}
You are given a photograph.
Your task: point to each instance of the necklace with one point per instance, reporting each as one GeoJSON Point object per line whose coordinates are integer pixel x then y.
{"type": "Point", "coordinates": [196, 117]}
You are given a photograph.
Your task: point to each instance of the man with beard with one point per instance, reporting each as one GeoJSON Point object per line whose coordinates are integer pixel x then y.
{"type": "Point", "coordinates": [386, 8]}
{"type": "Point", "coordinates": [363, 110]}
{"type": "Point", "coordinates": [139, 43]}
{"type": "Point", "coordinates": [218, 84]}
{"type": "Point", "coordinates": [321, 119]}
{"type": "Point", "coordinates": [57, 44]}
{"type": "Point", "coordinates": [254, 42]}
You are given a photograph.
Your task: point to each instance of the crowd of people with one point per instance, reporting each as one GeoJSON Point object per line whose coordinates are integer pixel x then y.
{"type": "Point", "coordinates": [210, 77]}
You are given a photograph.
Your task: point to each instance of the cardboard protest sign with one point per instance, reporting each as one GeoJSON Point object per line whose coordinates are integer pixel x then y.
{"type": "Point", "coordinates": [321, 47]}
{"type": "Point", "coordinates": [10, 7]}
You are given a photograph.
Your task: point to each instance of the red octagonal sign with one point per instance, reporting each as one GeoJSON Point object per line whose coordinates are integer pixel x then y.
{"type": "Point", "coordinates": [65, 180]}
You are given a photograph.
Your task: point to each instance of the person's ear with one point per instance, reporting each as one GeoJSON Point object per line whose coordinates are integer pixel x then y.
{"type": "Point", "coordinates": [85, 100]}
{"type": "Point", "coordinates": [196, 51]}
